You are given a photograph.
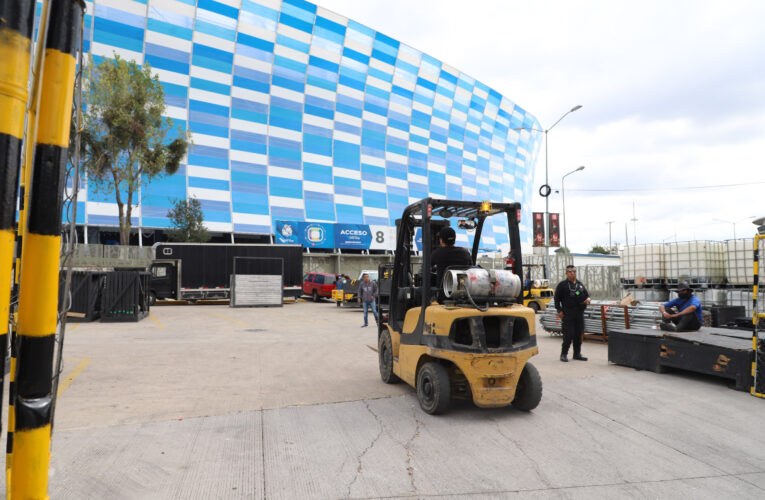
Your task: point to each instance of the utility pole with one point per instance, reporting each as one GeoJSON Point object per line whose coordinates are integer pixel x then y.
{"type": "Point", "coordinates": [609, 233]}
{"type": "Point", "coordinates": [634, 225]}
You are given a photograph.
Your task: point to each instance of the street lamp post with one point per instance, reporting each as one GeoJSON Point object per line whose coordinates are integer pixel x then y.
{"type": "Point", "coordinates": [547, 183]}
{"type": "Point", "coordinates": [609, 233]}
{"type": "Point", "coordinates": [563, 192]}
{"type": "Point", "coordinates": [734, 223]}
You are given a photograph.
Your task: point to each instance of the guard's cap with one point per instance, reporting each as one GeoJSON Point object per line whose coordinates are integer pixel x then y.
{"type": "Point", "coordinates": [683, 285]}
{"type": "Point", "coordinates": [448, 235]}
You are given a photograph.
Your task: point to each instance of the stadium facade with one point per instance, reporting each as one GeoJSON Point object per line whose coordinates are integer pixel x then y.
{"type": "Point", "coordinates": [299, 114]}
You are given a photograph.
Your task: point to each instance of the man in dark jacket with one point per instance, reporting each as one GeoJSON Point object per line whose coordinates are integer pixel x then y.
{"type": "Point", "coordinates": [367, 296]}
{"type": "Point", "coordinates": [571, 298]}
{"type": "Point", "coordinates": [447, 254]}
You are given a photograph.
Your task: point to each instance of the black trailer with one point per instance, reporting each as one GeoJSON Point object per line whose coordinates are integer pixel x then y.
{"type": "Point", "coordinates": [195, 271]}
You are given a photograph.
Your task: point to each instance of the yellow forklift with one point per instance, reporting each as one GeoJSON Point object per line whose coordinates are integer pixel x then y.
{"type": "Point", "coordinates": [537, 293]}
{"type": "Point", "coordinates": [468, 338]}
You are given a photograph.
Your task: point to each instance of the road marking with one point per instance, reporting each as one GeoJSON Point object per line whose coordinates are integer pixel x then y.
{"type": "Point", "coordinates": [70, 378]}
{"type": "Point", "coordinates": [75, 325]}
{"type": "Point", "coordinates": [228, 319]}
{"type": "Point", "coordinates": [156, 321]}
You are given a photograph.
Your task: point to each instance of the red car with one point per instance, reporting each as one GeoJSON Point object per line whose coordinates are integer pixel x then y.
{"type": "Point", "coordinates": [319, 285]}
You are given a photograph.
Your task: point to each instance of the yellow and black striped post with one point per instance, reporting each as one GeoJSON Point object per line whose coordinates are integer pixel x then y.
{"type": "Point", "coordinates": [38, 291]}
{"type": "Point", "coordinates": [758, 363]}
{"type": "Point", "coordinates": [16, 28]}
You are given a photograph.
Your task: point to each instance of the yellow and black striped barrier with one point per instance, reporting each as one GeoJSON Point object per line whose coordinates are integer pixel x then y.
{"type": "Point", "coordinates": [16, 28]}
{"type": "Point", "coordinates": [38, 291]}
{"type": "Point", "coordinates": [758, 363]}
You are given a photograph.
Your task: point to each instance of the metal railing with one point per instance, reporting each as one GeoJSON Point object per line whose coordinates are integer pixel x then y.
{"type": "Point", "coordinates": [112, 256]}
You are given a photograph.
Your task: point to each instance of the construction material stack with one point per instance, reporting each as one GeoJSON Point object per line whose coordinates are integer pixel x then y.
{"type": "Point", "coordinates": [720, 274]}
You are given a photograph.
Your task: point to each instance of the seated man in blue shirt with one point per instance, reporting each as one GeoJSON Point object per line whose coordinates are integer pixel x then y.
{"type": "Point", "coordinates": [686, 315]}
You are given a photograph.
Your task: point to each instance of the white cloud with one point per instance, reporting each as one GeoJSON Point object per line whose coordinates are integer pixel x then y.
{"type": "Point", "coordinates": [673, 96]}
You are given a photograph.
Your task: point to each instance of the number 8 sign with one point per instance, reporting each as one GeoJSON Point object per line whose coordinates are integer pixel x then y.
{"type": "Point", "coordinates": [383, 238]}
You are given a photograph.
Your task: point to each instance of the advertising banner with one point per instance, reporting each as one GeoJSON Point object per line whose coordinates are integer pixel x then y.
{"type": "Point", "coordinates": [352, 236]}
{"type": "Point", "coordinates": [383, 238]}
{"type": "Point", "coordinates": [554, 225]}
{"type": "Point", "coordinates": [318, 235]}
{"type": "Point", "coordinates": [418, 239]}
{"type": "Point", "coordinates": [308, 234]}
{"type": "Point", "coordinates": [287, 232]}
{"type": "Point", "coordinates": [328, 235]}
{"type": "Point", "coordinates": [539, 229]}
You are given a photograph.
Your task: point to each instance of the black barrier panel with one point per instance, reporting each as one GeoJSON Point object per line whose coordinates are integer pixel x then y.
{"type": "Point", "coordinates": [86, 295]}
{"type": "Point", "coordinates": [710, 353]}
{"type": "Point", "coordinates": [125, 296]}
{"type": "Point", "coordinates": [638, 349]}
{"type": "Point", "coordinates": [727, 315]}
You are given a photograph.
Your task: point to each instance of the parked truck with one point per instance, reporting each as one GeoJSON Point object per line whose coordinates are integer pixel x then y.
{"type": "Point", "coordinates": [196, 271]}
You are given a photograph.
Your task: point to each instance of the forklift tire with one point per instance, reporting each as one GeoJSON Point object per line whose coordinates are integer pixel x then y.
{"type": "Point", "coordinates": [385, 350]}
{"type": "Point", "coordinates": [534, 307]}
{"type": "Point", "coordinates": [433, 388]}
{"type": "Point", "coordinates": [529, 390]}
{"type": "Point", "coordinates": [338, 303]}
{"type": "Point", "coordinates": [315, 296]}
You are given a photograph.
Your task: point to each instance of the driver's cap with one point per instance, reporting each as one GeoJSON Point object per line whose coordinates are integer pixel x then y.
{"type": "Point", "coordinates": [448, 235]}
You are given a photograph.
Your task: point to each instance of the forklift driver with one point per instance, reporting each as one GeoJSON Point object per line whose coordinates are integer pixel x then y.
{"type": "Point", "coordinates": [448, 255]}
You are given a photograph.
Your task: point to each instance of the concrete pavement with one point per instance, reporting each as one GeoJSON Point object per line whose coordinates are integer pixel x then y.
{"type": "Point", "coordinates": [214, 402]}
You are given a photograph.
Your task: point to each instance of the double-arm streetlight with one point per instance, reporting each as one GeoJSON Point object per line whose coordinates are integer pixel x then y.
{"type": "Point", "coordinates": [734, 223]}
{"type": "Point", "coordinates": [547, 186]}
{"type": "Point", "coordinates": [563, 191]}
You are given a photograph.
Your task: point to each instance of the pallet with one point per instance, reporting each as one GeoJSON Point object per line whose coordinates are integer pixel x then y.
{"type": "Point", "coordinates": [644, 283]}
{"type": "Point", "coordinates": [695, 283]}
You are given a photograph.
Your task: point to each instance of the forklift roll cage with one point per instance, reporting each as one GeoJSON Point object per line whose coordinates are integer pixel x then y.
{"type": "Point", "coordinates": [420, 214]}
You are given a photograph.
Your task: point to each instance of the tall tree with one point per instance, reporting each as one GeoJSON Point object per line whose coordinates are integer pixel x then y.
{"type": "Point", "coordinates": [599, 249]}
{"type": "Point", "coordinates": [125, 139]}
{"type": "Point", "coordinates": [188, 222]}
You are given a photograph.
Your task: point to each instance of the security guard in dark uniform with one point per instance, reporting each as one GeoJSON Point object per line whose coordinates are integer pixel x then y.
{"type": "Point", "coordinates": [571, 298]}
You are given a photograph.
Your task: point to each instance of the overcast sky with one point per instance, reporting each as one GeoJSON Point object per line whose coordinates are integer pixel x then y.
{"type": "Point", "coordinates": [673, 96]}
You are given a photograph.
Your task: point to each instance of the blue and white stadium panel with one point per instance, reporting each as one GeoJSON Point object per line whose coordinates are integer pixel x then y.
{"type": "Point", "coordinates": [300, 114]}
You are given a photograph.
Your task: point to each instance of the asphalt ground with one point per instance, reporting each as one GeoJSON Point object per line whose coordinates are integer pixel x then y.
{"type": "Point", "coordinates": [208, 402]}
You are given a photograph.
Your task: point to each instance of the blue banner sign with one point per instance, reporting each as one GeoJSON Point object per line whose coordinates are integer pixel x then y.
{"type": "Point", "coordinates": [287, 232]}
{"type": "Point", "coordinates": [353, 236]}
{"type": "Point", "coordinates": [328, 235]}
{"type": "Point", "coordinates": [308, 234]}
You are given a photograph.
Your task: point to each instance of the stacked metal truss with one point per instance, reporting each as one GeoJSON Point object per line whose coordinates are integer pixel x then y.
{"type": "Point", "coordinates": [644, 315]}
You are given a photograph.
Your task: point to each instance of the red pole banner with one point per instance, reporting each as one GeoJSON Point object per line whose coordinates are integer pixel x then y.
{"type": "Point", "coordinates": [554, 224]}
{"type": "Point", "coordinates": [539, 229]}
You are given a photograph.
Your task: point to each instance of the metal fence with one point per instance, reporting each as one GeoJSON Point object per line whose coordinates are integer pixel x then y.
{"type": "Point", "coordinates": [112, 256]}
{"type": "Point", "coordinates": [601, 281]}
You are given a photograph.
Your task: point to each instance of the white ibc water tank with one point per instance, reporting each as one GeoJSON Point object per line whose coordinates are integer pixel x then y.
{"type": "Point", "coordinates": [696, 261]}
{"type": "Point", "coordinates": [739, 261]}
{"type": "Point", "coordinates": [643, 263]}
